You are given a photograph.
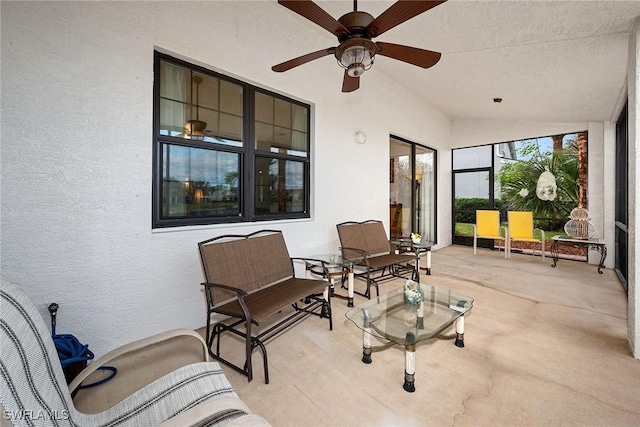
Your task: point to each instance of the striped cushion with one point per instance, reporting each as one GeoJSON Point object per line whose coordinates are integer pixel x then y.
{"type": "Point", "coordinates": [34, 392]}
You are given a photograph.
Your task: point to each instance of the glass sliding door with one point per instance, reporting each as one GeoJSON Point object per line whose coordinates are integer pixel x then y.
{"type": "Point", "coordinates": [412, 189]}
{"type": "Point", "coordinates": [425, 192]}
{"type": "Point", "coordinates": [622, 201]}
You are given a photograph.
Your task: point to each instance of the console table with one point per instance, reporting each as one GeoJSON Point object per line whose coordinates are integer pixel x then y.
{"type": "Point", "coordinates": [595, 244]}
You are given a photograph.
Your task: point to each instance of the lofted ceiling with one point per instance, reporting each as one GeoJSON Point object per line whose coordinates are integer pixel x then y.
{"type": "Point", "coordinates": [557, 61]}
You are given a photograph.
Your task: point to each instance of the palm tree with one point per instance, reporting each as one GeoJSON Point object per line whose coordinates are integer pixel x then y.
{"type": "Point", "coordinates": [518, 181]}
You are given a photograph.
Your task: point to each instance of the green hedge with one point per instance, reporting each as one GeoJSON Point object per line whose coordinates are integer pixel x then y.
{"type": "Point", "coordinates": [465, 208]}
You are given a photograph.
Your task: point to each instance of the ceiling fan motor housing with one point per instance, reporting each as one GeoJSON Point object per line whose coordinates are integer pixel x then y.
{"type": "Point", "coordinates": [356, 22]}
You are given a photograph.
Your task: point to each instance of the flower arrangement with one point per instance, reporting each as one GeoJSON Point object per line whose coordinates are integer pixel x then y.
{"type": "Point", "coordinates": [416, 238]}
{"type": "Point", "coordinates": [412, 294]}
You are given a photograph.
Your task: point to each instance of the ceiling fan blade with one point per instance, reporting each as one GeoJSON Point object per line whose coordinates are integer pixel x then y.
{"type": "Point", "coordinates": [315, 14]}
{"type": "Point", "coordinates": [287, 65]}
{"type": "Point", "coordinates": [349, 84]}
{"type": "Point", "coordinates": [412, 55]}
{"type": "Point", "coordinates": [398, 13]}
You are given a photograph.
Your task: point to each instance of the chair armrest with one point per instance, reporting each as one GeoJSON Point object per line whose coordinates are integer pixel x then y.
{"type": "Point", "coordinates": [204, 410]}
{"type": "Point", "coordinates": [363, 254]}
{"type": "Point", "coordinates": [541, 233]}
{"type": "Point", "coordinates": [506, 231]}
{"type": "Point", "coordinates": [240, 292]}
{"type": "Point", "coordinates": [307, 261]}
{"type": "Point", "coordinates": [133, 346]}
{"type": "Point", "coordinates": [475, 230]}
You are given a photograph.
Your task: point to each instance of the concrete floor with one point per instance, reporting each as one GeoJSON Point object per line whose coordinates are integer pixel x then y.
{"type": "Point", "coordinates": [544, 346]}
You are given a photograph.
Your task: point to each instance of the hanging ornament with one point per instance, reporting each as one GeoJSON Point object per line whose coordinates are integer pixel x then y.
{"type": "Point", "coordinates": [546, 188]}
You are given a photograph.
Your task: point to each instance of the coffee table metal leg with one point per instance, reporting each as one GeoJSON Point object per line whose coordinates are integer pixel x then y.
{"type": "Point", "coordinates": [410, 363]}
{"type": "Point", "coordinates": [366, 337]}
{"type": "Point", "coordinates": [460, 332]}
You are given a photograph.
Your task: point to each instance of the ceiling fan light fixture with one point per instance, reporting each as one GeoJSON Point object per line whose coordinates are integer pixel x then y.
{"type": "Point", "coordinates": [356, 55]}
{"type": "Point", "coordinates": [195, 128]}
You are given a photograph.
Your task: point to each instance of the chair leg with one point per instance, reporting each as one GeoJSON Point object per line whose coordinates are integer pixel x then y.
{"type": "Point", "coordinates": [475, 242]}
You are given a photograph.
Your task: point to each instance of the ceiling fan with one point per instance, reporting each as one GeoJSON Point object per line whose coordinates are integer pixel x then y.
{"type": "Point", "coordinates": [355, 30]}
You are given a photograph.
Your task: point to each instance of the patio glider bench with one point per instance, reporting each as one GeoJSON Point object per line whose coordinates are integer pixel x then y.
{"type": "Point", "coordinates": [249, 279]}
{"type": "Point", "coordinates": [34, 391]}
{"type": "Point", "coordinates": [366, 244]}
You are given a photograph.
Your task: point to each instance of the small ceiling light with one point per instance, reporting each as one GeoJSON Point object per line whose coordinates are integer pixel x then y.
{"type": "Point", "coordinates": [497, 100]}
{"type": "Point", "coordinates": [360, 137]}
{"type": "Point", "coordinates": [356, 55]}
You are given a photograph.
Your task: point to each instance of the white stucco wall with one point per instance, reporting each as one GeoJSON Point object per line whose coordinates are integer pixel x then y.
{"type": "Point", "coordinates": [77, 153]}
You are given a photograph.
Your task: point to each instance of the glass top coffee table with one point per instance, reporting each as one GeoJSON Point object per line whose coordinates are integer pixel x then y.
{"type": "Point", "coordinates": [389, 318]}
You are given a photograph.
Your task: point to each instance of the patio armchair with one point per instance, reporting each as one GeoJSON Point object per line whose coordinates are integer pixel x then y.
{"type": "Point", "coordinates": [33, 389]}
{"type": "Point", "coordinates": [521, 229]}
{"type": "Point", "coordinates": [488, 226]}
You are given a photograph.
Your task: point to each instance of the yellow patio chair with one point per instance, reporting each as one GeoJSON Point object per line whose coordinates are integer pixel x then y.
{"type": "Point", "coordinates": [488, 226]}
{"type": "Point", "coordinates": [520, 228]}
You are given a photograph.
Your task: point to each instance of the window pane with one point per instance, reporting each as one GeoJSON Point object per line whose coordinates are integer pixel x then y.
{"type": "Point", "coordinates": [264, 108]}
{"type": "Point", "coordinates": [231, 98]}
{"type": "Point", "coordinates": [199, 183]}
{"type": "Point", "coordinates": [175, 83]}
{"type": "Point", "coordinates": [173, 116]}
{"type": "Point", "coordinates": [208, 95]}
{"type": "Point", "coordinates": [279, 186]}
{"type": "Point", "coordinates": [299, 117]}
{"type": "Point", "coordinates": [283, 140]}
{"type": "Point", "coordinates": [289, 136]}
{"type": "Point", "coordinates": [473, 157]}
{"type": "Point", "coordinates": [264, 136]}
{"type": "Point", "coordinates": [230, 127]}
{"type": "Point", "coordinates": [283, 113]}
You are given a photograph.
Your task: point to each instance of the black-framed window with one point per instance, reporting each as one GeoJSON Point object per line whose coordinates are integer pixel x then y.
{"type": "Point", "coordinates": [224, 150]}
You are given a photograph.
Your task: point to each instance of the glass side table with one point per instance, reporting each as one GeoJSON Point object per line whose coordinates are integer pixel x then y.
{"type": "Point", "coordinates": [330, 266]}
{"type": "Point", "coordinates": [424, 247]}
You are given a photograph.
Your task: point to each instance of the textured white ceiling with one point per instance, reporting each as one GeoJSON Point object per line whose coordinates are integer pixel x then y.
{"type": "Point", "coordinates": [559, 61]}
